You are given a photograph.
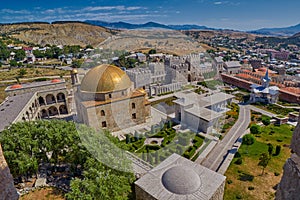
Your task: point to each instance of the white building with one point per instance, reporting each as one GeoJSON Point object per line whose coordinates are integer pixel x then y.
{"type": "Point", "coordinates": [264, 93]}
{"type": "Point", "coordinates": [200, 114]}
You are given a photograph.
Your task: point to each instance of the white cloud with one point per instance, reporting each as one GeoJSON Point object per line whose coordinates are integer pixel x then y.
{"type": "Point", "coordinates": [218, 2]}
{"type": "Point", "coordinates": [9, 11]}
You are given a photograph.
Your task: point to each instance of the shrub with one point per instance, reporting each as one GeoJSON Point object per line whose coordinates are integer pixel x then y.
{"type": "Point", "coordinates": [266, 120]}
{"type": "Point", "coordinates": [229, 182]}
{"type": "Point", "coordinates": [237, 155]}
{"type": "Point", "coordinates": [255, 129]}
{"type": "Point", "coordinates": [239, 161]}
{"type": "Point", "coordinates": [277, 150]}
{"type": "Point", "coordinates": [238, 196]}
{"type": "Point", "coordinates": [250, 188]}
{"type": "Point", "coordinates": [276, 173]}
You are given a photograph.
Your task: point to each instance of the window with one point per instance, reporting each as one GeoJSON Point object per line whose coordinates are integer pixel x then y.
{"type": "Point", "coordinates": [104, 124]}
{"type": "Point", "coordinates": [109, 96]}
{"type": "Point", "coordinates": [133, 105]}
{"type": "Point", "coordinates": [134, 116]}
{"type": "Point", "coordinates": [102, 113]}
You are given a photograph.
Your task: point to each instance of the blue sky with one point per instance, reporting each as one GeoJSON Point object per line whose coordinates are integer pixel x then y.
{"type": "Point", "coordinates": [232, 14]}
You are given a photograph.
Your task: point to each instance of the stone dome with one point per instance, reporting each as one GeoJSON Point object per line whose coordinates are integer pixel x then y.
{"type": "Point", "coordinates": [105, 78]}
{"type": "Point", "coordinates": [181, 180]}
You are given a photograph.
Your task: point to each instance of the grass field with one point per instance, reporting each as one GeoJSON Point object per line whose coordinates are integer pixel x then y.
{"type": "Point", "coordinates": [239, 177]}
{"type": "Point", "coordinates": [31, 73]}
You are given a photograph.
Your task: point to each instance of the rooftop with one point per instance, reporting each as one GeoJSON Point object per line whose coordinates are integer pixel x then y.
{"type": "Point", "coordinates": [35, 84]}
{"type": "Point", "coordinates": [232, 64]}
{"type": "Point", "coordinates": [12, 107]}
{"type": "Point", "coordinates": [179, 178]}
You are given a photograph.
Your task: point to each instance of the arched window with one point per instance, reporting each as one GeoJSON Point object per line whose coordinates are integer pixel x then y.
{"type": "Point", "coordinates": [133, 105]}
{"type": "Point", "coordinates": [41, 101]}
{"type": "Point", "coordinates": [102, 113]}
{"type": "Point", "coordinates": [104, 124]}
{"type": "Point", "coordinates": [61, 97]}
{"type": "Point", "coordinates": [50, 99]}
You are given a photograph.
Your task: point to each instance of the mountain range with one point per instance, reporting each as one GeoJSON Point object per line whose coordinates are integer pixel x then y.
{"type": "Point", "coordinates": [148, 25]}
{"type": "Point", "coordinates": [286, 31]}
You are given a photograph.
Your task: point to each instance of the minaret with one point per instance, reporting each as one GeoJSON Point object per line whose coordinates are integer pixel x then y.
{"type": "Point", "coordinates": [74, 76]}
{"type": "Point", "coordinates": [266, 79]}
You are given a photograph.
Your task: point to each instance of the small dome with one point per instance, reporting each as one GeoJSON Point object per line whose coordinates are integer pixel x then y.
{"type": "Point", "coordinates": [105, 78]}
{"type": "Point", "coordinates": [181, 180]}
{"type": "Point", "coordinates": [55, 81]}
{"type": "Point", "coordinates": [16, 86]}
{"type": "Point", "coordinates": [74, 71]}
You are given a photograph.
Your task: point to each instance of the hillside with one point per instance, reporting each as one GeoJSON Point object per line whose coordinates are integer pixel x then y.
{"type": "Point", "coordinates": [163, 40]}
{"type": "Point", "coordinates": [286, 31]}
{"type": "Point", "coordinates": [60, 33]}
{"type": "Point", "coordinates": [209, 34]}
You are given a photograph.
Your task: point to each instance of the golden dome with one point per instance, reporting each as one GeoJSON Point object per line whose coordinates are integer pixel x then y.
{"type": "Point", "coordinates": [105, 78]}
{"type": "Point", "coordinates": [74, 71]}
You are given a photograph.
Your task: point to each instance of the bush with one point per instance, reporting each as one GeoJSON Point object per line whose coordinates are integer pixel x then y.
{"type": "Point", "coordinates": [276, 173]}
{"type": "Point", "coordinates": [266, 120]}
{"type": "Point", "coordinates": [239, 161]}
{"type": "Point", "coordinates": [277, 150]}
{"type": "Point", "coordinates": [229, 182]}
{"type": "Point", "coordinates": [255, 129]}
{"type": "Point", "coordinates": [250, 188]}
{"type": "Point", "coordinates": [237, 155]}
{"type": "Point", "coordinates": [238, 196]}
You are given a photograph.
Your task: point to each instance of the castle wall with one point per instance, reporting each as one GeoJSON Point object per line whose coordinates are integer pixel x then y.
{"type": "Point", "coordinates": [7, 189]}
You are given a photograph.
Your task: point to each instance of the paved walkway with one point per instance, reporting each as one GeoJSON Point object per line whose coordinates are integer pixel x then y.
{"type": "Point", "coordinates": [224, 166]}
{"type": "Point", "coordinates": [217, 156]}
{"type": "Point", "coordinates": [264, 112]}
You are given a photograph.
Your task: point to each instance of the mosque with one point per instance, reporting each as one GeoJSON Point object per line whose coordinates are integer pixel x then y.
{"type": "Point", "coordinates": [264, 93]}
{"type": "Point", "coordinates": [106, 98]}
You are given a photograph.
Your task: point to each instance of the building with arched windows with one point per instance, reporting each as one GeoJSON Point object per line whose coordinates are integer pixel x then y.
{"type": "Point", "coordinates": [106, 98]}
{"type": "Point", "coordinates": [31, 101]}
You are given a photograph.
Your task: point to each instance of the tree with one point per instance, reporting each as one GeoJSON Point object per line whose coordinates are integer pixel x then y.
{"type": "Point", "coordinates": [38, 54]}
{"type": "Point", "coordinates": [152, 51]}
{"type": "Point", "coordinates": [13, 63]}
{"type": "Point", "coordinates": [255, 129]}
{"type": "Point", "coordinates": [101, 183]}
{"type": "Point", "coordinates": [248, 140]}
{"type": "Point", "coordinates": [266, 120]}
{"type": "Point", "coordinates": [22, 72]}
{"type": "Point", "coordinates": [263, 161]}
{"type": "Point", "coordinates": [20, 55]}
{"type": "Point", "coordinates": [270, 149]}
{"type": "Point", "coordinates": [277, 150]}
{"type": "Point", "coordinates": [127, 138]}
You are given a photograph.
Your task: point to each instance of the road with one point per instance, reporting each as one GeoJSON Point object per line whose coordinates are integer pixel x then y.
{"type": "Point", "coordinates": [216, 157]}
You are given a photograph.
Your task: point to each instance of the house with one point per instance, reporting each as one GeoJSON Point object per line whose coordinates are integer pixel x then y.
{"type": "Point", "coordinates": [232, 67]}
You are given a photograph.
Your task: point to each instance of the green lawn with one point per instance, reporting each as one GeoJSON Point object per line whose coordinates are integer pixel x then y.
{"type": "Point", "coordinates": [239, 176]}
